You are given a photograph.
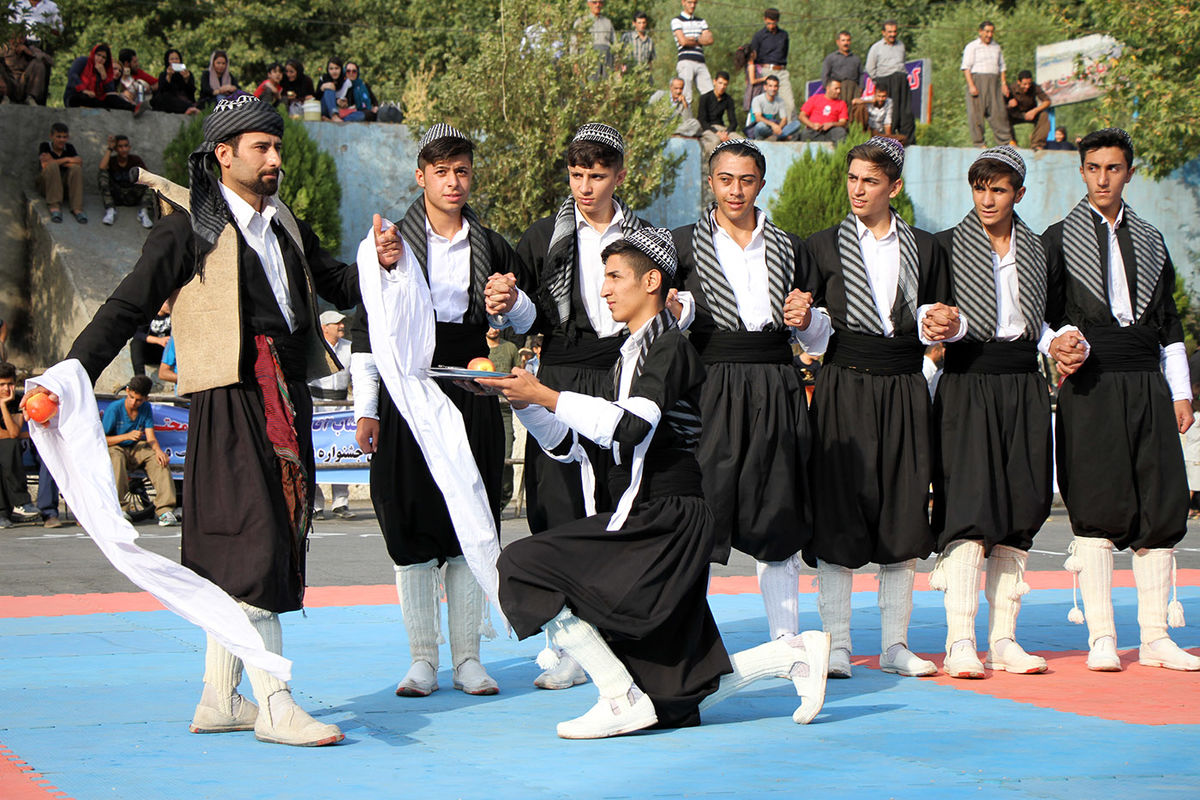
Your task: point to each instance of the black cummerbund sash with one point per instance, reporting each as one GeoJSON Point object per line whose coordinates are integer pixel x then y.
{"type": "Point", "coordinates": [876, 355]}
{"type": "Point", "coordinates": [589, 352]}
{"type": "Point", "coordinates": [1117, 349]}
{"type": "Point", "coordinates": [292, 350]}
{"type": "Point", "coordinates": [458, 343]}
{"type": "Point", "coordinates": [327, 394]}
{"type": "Point", "coordinates": [668, 473]}
{"type": "Point", "coordinates": [744, 347]}
{"type": "Point", "coordinates": [995, 358]}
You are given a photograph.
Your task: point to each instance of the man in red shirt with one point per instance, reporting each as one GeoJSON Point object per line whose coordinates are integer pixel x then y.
{"type": "Point", "coordinates": [824, 115]}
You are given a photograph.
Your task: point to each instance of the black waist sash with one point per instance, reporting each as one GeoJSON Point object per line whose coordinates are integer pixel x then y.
{"type": "Point", "coordinates": [327, 394]}
{"type": "Point", "coordinates": [1116, 349]}
{"type": "Point", "coordinates": [587, 352]}
{"type": "Point", "coordinates": [877, 355]}
{"type": "Point", "coordinates": [667, 473]}
{"type": "Point", "coordinates": [996, 358]}
{"type": "Point", "coordinates": [745, 347]}
{"type": "Point", "coordinates": [458, 343]}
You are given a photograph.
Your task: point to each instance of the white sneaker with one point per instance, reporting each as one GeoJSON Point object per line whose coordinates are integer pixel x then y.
{"type": "Point", "coordinates": [210, 719]}
{"type": "Point", "coordinates": [1102, 657]}
{"type": "Point", "coordinates": [281, 721]}
{"type": "Point", "coordinates": [566, 674]}
{"type": "Point", "coordinates": [962, 661]}
{"type": "Point", "coordinates": [899, 660]}
{"type": "Point", "coordinates": [808, 676]}
{"type": "Point", "coordinates": [839, 663]}
{"type": "Point", "coordinates": [110, 216]}
{"type": "Point", "coordinates": [167, 519]}
{"type": "Point", "coordinates": [144, 218]}
{"type": "Point", "coordinates": [470, 677]}
{"type": "Point", "coordinates": [1008, 656]}
{"type": "Point", "coordinates": [419, 681]}
{"type": "Point", "coordinates": [612, 717]}
{"type": "Point", "coordinates": [1165, 653]}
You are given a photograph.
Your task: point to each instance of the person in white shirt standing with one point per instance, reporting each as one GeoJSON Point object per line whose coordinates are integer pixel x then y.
{"type": "Point", "coordinates": [881, 283]}
{"type": "Point", "coordinates": [334, 387]}
{"type": "Point", "coordinates": [991, 420]}
{"type": "Point", "coordinates": [1120, 343]}
{"type": "Point", "coordinates": [691, 37]}
{"type": "Point", "coordinates": [987, 87]}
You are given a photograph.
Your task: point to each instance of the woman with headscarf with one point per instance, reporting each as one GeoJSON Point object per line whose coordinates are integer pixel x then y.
{"type": "Point", "coordinates": [362, 98]}
{"type": "Point", "coordinates": [336, 91]}
{"type": "Point", "coordinates": [297, 87]}
{"type": "Point", "coordinates": [94, 84]}
{"type": "Point", "coordinates": [217, 81]}
{"type": "Point", "coordinates": [176, 86]}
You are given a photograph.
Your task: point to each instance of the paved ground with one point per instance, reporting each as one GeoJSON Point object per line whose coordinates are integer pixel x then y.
{"type": "Point", "coordinates": [36, 561]}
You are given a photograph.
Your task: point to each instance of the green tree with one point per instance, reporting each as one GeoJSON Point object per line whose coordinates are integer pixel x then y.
{"type": "Point", "coordinates": [521, 102]}
{"type": "Point", "coordinates": [1152, 87]}
{"type": "Point", "coordinates": [814, 196]}
{"type": "Point", "coordinates": [1189, 316]}
{"type": "Point", "coordinates": [310, 185]}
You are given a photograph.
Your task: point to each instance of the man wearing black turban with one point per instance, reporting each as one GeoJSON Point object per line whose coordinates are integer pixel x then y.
{"type": "Point", "coordinates": [242, 274]}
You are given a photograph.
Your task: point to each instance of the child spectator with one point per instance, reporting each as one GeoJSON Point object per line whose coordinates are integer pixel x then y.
{"type": "Point", "coordinates": [129, 430]}
{"type": "Point", "coordinates": [117, 184]}
{"type": "Point", "coordinates": [217, 82]}
{"type": "Point", "coordinates": [61, 173]}
{"type": "Point", "coordinates": [271, 89]}
{"type": "Point", "coordinates": [176, 87]}
{"type": "Point", "coordinates": [137, 86]}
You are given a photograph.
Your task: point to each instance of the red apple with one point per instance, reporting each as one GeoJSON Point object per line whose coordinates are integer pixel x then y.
{"type": "Point", "coordinates": [40, 408]}
{"type": "Point", "coordinates": [481, 364]}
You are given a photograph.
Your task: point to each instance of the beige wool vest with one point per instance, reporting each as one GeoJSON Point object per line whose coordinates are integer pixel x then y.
{"type": "Point", "coordinates": [208, 348]}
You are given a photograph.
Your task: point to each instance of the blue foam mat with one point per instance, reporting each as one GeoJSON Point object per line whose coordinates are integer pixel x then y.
{"type": "Point", "coordinates": [99, 705]}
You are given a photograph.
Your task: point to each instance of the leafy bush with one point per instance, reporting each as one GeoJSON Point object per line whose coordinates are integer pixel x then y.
{"type": "Point", "coordinates": [814, 197]}
{"type": "Point", "coordinates": [310, 185]}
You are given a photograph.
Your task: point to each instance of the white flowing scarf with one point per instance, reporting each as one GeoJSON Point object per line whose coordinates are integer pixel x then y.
{"type": "Point", "coordinates": [402, 330]}
{"type": "Point", "coordinates": [73, 446]}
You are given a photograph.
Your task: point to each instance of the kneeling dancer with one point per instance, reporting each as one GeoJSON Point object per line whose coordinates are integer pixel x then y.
{"type": "Point", "coordinates": [991, 420]}
{"type": "Point", "coordinates": [624, 593]}
{"type": "Point", "coordinates": [880, 282]}
{"type": "Point", "coordinates": [1128, 488]}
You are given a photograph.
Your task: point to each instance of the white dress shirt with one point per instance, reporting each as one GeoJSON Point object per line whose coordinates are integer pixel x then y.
{"type": "Point", "coordinates": [256, 230]}
{"type": "Point", "coordinates": [589, 244]}
{"type": "Point", "coordinates": [1010, 323]}
{"type": "Point", "coordinates": [746, 271]}
{"type": "Point", "coordinates": [449, 263]}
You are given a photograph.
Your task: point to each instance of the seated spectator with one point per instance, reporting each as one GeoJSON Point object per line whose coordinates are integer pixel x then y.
{"type": "Point", "coordinates": [92, 82]}
{"type": "Point", "coordinates": [129, 430]}
{"type": "Point", "coordinates": [168, 370]}
{"type": "Point", "coordinates": [61, 174]}
{"type": "Point", "coordinates": [1028, 104]}
{"type": "Point", "coordinates": [824, 115]}
{"type": "Point", "coordinates": [149, 340]}
{"type": "Point", "coordinates": [136, 85]}
{"type": "Point", "coordinates": [297, 87]}
{"type": "Point", "coordinates": [217, 82]}
{"type": "Point", "coordinates": [271, 89]}
{"type": "Point", "coordinates": [24, 71]}
{"type": "Point", "coordinates": [364, 98]}
{"type": "Point", "coordinates": [337, 94]}
{"type": "Point", "coordinates": [688, 124]}
{"type": "Point", "coordinates": [117, 184]}
{"type": "Point", "coordinates": [768, 115]}
{"type": "Point", "coordinates": [15, 503]}
{"type": "Point", "coordinates": [1061, 142]}
{"type": "Point", "coordinates": [879, 114]}
{"type": "Point", "coordinates": [176, 87]}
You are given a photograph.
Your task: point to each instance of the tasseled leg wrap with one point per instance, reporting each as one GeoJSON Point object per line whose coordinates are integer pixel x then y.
{"type": "Point", "coordinates": [778, 581]}
{"type": "Point", "coordinates": [465, 606]}
{"type": "Point", "coordinates": [835, 585]}
{"type": "Point", "coordinates": [418, 588]}
{"type": "Point", "coordinates": [895, 611]}
{"type": "Point", "coordinates": [1005, 586]}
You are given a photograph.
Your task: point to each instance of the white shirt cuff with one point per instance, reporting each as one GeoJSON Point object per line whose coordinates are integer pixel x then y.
{"type": "Point", "coordinates": [1175, 368]}
{"type": "Point", "coordinates": [543, 426]}
{"type": "Point", "coordinates": [1087, 346]}
{"type": "Point", "coordinates": [815, 338]}
{"type": "Point", "coordinates": [364, 379]}
{"type": "Point", "coordinates": [520, 319]}
{"type": "Point", "coordinates": [1044, 340]}
{"type": "Point", "coordinates": [689, 309]}
{"type": "Point", "coordinates": [593, 417]}
{"type": "Point", "coordinates": [962, 327]}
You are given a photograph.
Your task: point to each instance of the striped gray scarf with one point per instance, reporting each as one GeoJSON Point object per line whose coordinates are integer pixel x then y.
{"type": "Point", "coordinates": [861, 313]}
{"type": "Point", "coordinates": [663, 321]}
{"type": "Point", "coordinates": [412, 228]}
{"type": "Point", "coordinates": [975, 284]}
{"type": "Point", "coordinates": [559, 273]}
{"type": "Point", "coordinates": [1081, 252]}
{"type": "Point", "coordinates": [722, 302]}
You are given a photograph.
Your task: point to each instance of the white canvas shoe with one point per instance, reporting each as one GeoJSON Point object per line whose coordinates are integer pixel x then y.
{"type": "Point", "coordinates": [612, 717]}
{"type": "Point", "coordinates": [1008, 656]}
{"type": "Point", "coordinates": [284, 722]}
{"type": "Point", "coordinates": [839, 663]}
{"type": "Point", "coordinates": [470, 677]}
{"type": "Point", "coordinates": [1103, 655]}
{"type": "Point", "coordinates": [899, 660]}
{"type": "Point", "coordinates": [962, 661]}
{"type": "Point", "coordinates": [110, 216]}
{"type": "Point", "coordinates": [419, 681]}
{"type": "Point", "coordinates": [1165, 653]}
{"type": "Point", "coordinates": [564, 675]}
{"type": "Point", "coordinates": [214, 716]}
